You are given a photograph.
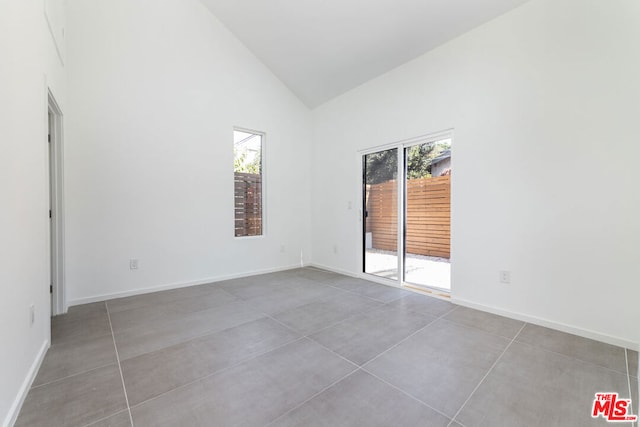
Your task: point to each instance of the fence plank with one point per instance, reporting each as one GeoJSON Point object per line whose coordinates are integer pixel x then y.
{"type": "Point", "coordinates": [428, 219]}
{"type": "Point", "coordinates": [248, 204]}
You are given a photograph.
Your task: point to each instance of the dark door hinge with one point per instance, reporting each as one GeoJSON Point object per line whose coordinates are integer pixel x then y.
{"type": "Point", "coordinates": [50, 289]}
{"type": "Point", "coordinates": [49, 213]}
{"type": "Point", "coordinates": [49, 138]}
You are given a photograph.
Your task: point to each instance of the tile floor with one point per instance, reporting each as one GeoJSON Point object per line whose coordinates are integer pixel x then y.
{"type": "Point", "coordinates": [308, 347]}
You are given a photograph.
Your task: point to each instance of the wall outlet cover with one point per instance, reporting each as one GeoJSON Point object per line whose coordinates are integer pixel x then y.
{"type": "Point", "coordinates": [505, 277]}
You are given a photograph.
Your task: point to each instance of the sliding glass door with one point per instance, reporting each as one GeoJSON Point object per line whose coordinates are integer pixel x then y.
{"type": "Point", "coordinates": [407, 212]}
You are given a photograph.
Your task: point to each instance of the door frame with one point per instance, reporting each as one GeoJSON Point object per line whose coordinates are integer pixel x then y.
{"type": "Point", "coordinates": [401, 179]}
{"type": "Point", "coordinates": [55, 143]}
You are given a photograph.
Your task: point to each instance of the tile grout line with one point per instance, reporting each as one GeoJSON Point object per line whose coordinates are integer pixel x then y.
{"type": "Point", "coordinates": [365, 363]}
{"type": "Point", "coordinates": [313, 396]}
{"type": "Point", "coordinates": [486, 374]}
{"type": "Point", "coordinates": [412, 397]}
{"type": "Point", "coordinates": [266, 315]}
{"type": "Point", "coordinates": [115, 346]}
{"type": "Point", "coordinates": [409, 336]}
{"type": "Point", "coordinates": [368, 310]}
{"type": "Point", "coordinates": [308, 338]}
{"type": "Point", "coordinates": [333, 352]}
{"type": "Point", "coordinates": [586, 362]}
{"type": "Point", "coordinates": [363, 369]}
{"type": "Point", "coordinates": [214, 332]}
{"type": "Point", "coordinates": [332, 285]}
{"type": "Point", "coordinates": [270, 316]}
{"type": "Point", "coordinates": [203, 334]}
{"type": "Point", "coordinates": [70, 376]}
{"type": "Point", "coordinates": [194, 338]}
{"type": "Point", "coordinates": [246, 300]}
{"type": "Point", "coordinates": [336, 323]}
{"type": "Point", "coordinates": [221, 371]}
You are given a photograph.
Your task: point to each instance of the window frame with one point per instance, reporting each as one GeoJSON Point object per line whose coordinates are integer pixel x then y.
{"type": "Point", "coordinates": [263, 210]}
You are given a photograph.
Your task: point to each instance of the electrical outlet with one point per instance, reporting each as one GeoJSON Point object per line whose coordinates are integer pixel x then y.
{"type": "Point", "coordinates": [282, 248]}
{"type": "Point", "coordinates": [505, 277]}
{"type": "Point", "coordinates": [133, 264]}
{"type": "Point", "coordinates": [349, 205]}
{"type": "Point", "coordinates": [335, 249]}
{"type": "Point", "coordinates": [32, 314]}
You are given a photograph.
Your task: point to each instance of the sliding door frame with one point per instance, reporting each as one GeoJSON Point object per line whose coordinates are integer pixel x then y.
{"type": "Point", "coordinates": [401, 179]}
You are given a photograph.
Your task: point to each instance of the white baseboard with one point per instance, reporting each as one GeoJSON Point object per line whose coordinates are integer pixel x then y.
{"type": "Point", "coordinates": [333, 269]}
{"type": "Point", "coordinates": [365, 276]}
{"type": "Point", "coordinates": [14, 411]}
{"type": "Point", "coordinates": [617, 341]}
{"type": "Point", "coordinates": [177, 285]}
{"type": "Point", "coordinates": [513, 315]}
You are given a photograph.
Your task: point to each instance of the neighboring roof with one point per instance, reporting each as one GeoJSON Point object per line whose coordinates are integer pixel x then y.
{"type": "Point", "coordinates": [442, 156]}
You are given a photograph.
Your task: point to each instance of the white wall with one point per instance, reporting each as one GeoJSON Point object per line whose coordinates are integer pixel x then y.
{"type": "Point", "coordinates": [156, 89]}
{"type": "Point", "coordinates": [538, 99]}
{"type": "Point", "coordinates": [28, 65]}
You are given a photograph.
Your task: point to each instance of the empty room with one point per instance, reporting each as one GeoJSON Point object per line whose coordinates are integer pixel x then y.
{"type": "Point", "coordinates": [339, 213]}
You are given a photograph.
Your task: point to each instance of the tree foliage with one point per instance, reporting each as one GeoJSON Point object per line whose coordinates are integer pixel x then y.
{"type": "Point", "coordinates": [241, 164]}
{"type": "Point", "coordinates": [383, 165]}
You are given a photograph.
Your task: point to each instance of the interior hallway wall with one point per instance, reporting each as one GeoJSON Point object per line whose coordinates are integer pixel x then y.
{"type": "Point", "coordinates": [29, 67]}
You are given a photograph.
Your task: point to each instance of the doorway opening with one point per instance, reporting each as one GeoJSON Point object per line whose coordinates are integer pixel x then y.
{"type": "Point", "coordinates": [54, 142]}
{"type": "Point", "coordinates": [407, 212]}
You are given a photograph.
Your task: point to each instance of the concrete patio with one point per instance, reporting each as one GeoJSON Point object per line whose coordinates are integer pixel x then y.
{"type": "Point", "coordinates": [421, 270]}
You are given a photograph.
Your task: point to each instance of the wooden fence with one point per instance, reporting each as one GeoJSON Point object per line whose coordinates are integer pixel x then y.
{"type": "Point", "coordinates": [248, 204]}
{"type": "Point", "coordinates": [428, 229]}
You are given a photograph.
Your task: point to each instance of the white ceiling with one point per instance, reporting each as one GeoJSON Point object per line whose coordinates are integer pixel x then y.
{"type": "Point", "coordinates": [321, 49]}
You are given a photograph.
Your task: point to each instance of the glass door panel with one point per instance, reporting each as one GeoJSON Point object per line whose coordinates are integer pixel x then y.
{"type": "Point", "coordinates": [380, 187]}
{"type": "Point", "coordinates": [427, 211]}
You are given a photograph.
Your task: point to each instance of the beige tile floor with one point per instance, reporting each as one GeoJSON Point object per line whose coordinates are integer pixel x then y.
{"type": "Point", "coordinates": [308, 347]}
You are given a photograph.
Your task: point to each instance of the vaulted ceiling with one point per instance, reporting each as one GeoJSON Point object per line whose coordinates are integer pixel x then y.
{"type": "Point", "coordinates": [321, 49]}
